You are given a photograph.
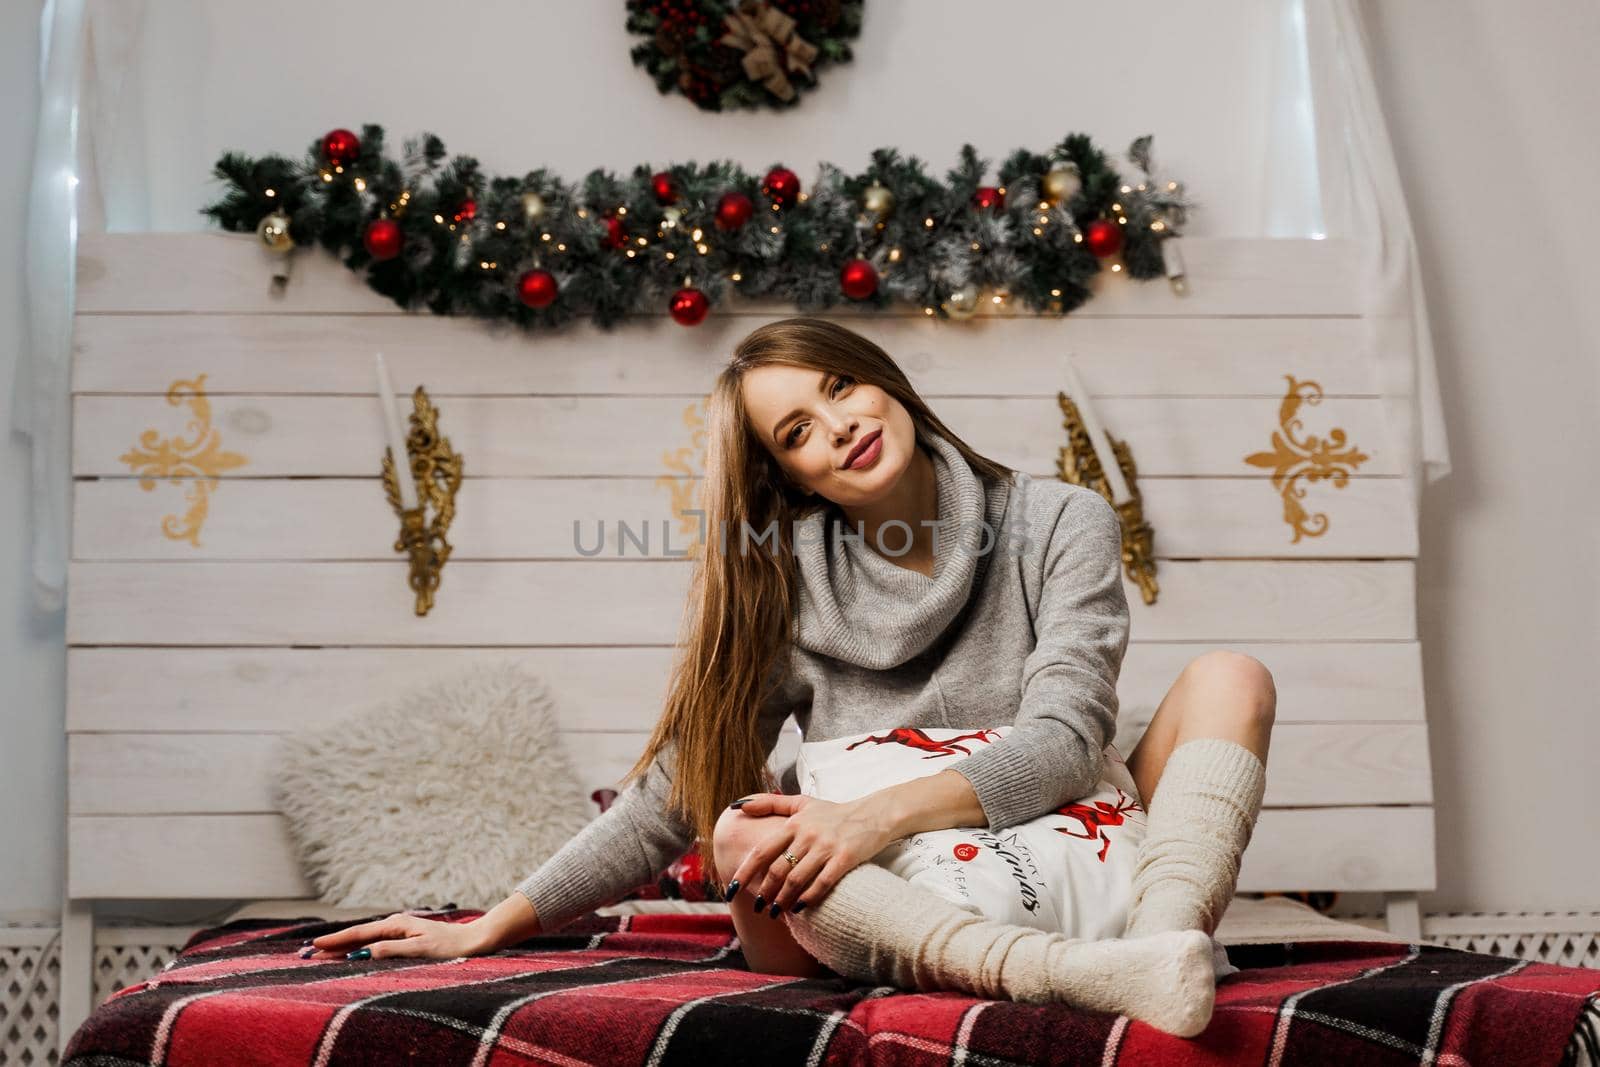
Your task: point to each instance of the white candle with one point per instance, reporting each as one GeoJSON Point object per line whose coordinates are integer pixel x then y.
{"type": "Point", "coordinates": [1098, 439]}
{"type": "Point", "coordinates": [397, 441]}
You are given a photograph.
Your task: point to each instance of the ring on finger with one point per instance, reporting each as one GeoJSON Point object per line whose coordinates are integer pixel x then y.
{"type": "Point", "coordinates": [792, 858]}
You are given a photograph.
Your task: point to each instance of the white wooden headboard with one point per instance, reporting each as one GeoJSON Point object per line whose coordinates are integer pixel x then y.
{"type": "Point", "coordinates": [204, 620]}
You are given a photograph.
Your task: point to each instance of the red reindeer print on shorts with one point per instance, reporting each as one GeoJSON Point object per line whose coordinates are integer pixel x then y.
{"type": "Point", "coordinates": [1096, 817]}
{"type": "Point", "coordinates": [911, 737]}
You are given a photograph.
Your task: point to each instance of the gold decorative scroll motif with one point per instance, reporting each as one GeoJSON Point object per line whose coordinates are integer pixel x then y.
{"type": "Point", "coordinates": [1296, 461]}
{"type": "Point", "coordinates": [197, 460]}
{"type": "Point", "coordinates": [688, 463]}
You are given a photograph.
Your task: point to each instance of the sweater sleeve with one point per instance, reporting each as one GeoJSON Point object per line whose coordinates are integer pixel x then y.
{"type": "Point", "coordinates": [631, 842]}
{"type": "Point", "coordinates": [1055, 750]}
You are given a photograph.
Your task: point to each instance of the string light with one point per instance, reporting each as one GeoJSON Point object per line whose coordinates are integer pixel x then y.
{"type": "Point", "coordinates": [1115, 267]}
{"type": "Point", "coordinates": [670, 255]}
{"type": "Point", "coordinates": [927, 311]}
{"type": "Point", "coordinates": [499, 225]}
{"type": "Point", "coordinates": [736, 276]}
{"type": "Point", "coordinates": [622, 209]}
{"type": "Point", "coordinates": [928, 222]}
{"type": "Point", "coordinates": [1158, 225]}
{"type": "Point", "coordinates": [774, 229]}
{"type": "Point", "coordinates": [582, 214]}
{"type": "Point", "coordinates": [561, 247]}
{"type": "Point", "coordinates": [438, 218]}
{"type": "Point", "coordinates": [1055, 292]}
{"type": "Point", "coordinates": [272, 192]}
{"type": "Point", "coordinates": [630, 253]}
{"type": "Point", "coordinates": [326, 176]}
{"type": "Point", "coordinates": [544, 237]}
{"type": "Point", "coordinates": [361, 185]}
{"type": "Point", "coordinates": [698, 233]}
{"type": "Point", "coordinates": [703, 248]}
{"type": "Point", "coordinates": [894, 255]}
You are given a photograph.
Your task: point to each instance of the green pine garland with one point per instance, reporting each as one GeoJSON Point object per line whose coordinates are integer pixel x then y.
{"type": "Point", "coordinates": [461, 258]}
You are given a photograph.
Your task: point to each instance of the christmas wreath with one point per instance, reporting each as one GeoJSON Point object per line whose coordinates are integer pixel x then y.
{"type": "Point", "coordinates": [747, 54]}
{"type": "Point", "coordinates": [538, 251]}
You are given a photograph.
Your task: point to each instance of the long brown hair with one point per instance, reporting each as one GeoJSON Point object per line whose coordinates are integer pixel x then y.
{"type": "Point", "coordinates": [737, 619]}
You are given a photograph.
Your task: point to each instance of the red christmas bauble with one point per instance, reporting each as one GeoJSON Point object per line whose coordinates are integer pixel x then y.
{"type": "Point", "coordinates": [537, 288]}
{"type": "Point", "coordinates": [1103, 237]}
{"type": "Point", "coordinates": [782, 184]}
{"type": "Point", "coordinates": [734, 210]}
{"type": "Point", "coordinates": [858, 279]}
{"type": "Point", "coordinates": [467, 209]}
{"type": "Point", "coordinates": [615, 236]}
{"type": "Point", "coordinates": [661, 185]}
{"type": "Point", "coordinates": [689, 307]}
{"type": "Point", "coordinates": [988, 198]}
{"type": "Point", "coordinates": [341, 147]}
{"type": "Point", "coordinates": [383, 238]}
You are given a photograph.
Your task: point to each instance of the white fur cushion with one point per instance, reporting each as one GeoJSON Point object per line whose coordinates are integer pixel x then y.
{"type": "Point", "coordinates": [451, 793]}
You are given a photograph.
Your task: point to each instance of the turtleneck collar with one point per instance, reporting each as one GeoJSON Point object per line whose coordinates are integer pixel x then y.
{"type": "Point", "coordinates": [856, 605]}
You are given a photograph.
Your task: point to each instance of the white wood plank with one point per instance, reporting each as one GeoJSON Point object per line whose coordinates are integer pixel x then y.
{"type": "Point", "coordinates": [167, 857]}
{"type": "Point", "coordinates": [565, 518]}
{"type": "Point", "coordinates": [332, 354]}
{"type": "Point", "coordinates": [632, 602]}
{"type": "Point", "coordinates": [174, 857]}
{"type": "Point", "coordinates": [1341, 849]}
{"type": "Point", "coordinates": [215, 773]}
{"type": "Point", "coordinates": [266, 689]}
{"type": "Point", "coordinates": [571, 436]}
{"type": "Point", "coordinates": [1315, 764]}
{"type": "Point", "coordinates": [233, 773]}
{"type": "Point", "coordinates": [222, 272]}
{"type": "Point", "coordinates": [261, 690]}
{"type": "Point", "coordinates": [1335, 682]}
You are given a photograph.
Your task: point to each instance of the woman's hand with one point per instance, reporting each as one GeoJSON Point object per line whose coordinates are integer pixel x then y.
{"type": "Point", "coordinates": [400, 935]}
{"type": "Point", "coordinates": [826, 839]}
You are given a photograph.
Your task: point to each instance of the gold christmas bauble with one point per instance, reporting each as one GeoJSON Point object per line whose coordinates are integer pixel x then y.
{"type": "Point", "coordinates": [274, 232]}
{"type": "Point", "coordinates": [962, 303]}
{"type": "Point", "coordinates": [1062, 182]}
{"type": "Point", "coordinates": [877, 200]}
{"type": "Point", "coordinates": [532, 206]}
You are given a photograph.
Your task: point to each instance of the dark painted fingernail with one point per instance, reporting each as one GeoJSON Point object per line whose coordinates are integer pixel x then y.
{"type": "Point", "coordinates": [306, 952]}
{"type": "Point", "coordinates": [740, 803]}
{"type": "Point", "coordinates": [772, 913]}
{"type": "Point", "coordinates": [359, 954]}
{"type": "Point", "coordinates": [732, 890]}
{"type": "Point", "coordinates": [797, 906]}
{"type": "Point", "coordinates": [761, 901]}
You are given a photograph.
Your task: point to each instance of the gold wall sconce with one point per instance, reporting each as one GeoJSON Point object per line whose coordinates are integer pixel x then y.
{"type": "Point", "coordinates": [1079, 464]}
{"type": "Point", "coordinates": [436, 469]}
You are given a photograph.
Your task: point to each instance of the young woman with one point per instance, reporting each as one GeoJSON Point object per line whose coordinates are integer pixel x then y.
{"type": "Point", "coordinates": [909, 620]}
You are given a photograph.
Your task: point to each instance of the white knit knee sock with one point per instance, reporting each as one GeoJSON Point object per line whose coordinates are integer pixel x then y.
{"type": "Point", "coordinates": [875, 926]}
{"type": "Point", "coordinates": [1200, 821]}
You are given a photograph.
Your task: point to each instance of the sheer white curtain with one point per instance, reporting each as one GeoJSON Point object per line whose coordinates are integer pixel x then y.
{"type": "Point", "coordinates": [88, 62]}
{"type": "Point", "coordinates": [1361, 197]}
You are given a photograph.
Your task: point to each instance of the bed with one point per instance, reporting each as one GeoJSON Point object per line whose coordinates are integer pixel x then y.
{"type": "Point", "coordinates": [245, 576]}
{"type": "Point", "coordinates": [672, 988]}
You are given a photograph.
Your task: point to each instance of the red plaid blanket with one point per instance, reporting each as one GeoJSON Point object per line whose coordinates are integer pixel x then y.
{"type": "Point", "coordinates": [673, 989]}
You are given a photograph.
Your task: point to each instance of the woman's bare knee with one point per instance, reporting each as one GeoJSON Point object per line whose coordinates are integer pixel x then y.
{"type": "Point", "coordinates": [732, 837]}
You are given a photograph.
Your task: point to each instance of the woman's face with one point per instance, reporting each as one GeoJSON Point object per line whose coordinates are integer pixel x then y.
{"type": "Point", "coordinates": [812, 421]}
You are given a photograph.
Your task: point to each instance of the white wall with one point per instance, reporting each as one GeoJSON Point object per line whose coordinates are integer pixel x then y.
{"type": "Point", "coordinates": [1508, 596]}
{"type": "Point", "coordinates": [1490, 108]}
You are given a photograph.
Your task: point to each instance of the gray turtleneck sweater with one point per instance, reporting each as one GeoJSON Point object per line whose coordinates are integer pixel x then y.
{"type": "Point", "coordinates": [1023, 622]}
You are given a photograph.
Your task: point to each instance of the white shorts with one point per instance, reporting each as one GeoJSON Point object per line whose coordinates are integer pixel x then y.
{"type": "Point", "coordinates": [1068, 871]}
